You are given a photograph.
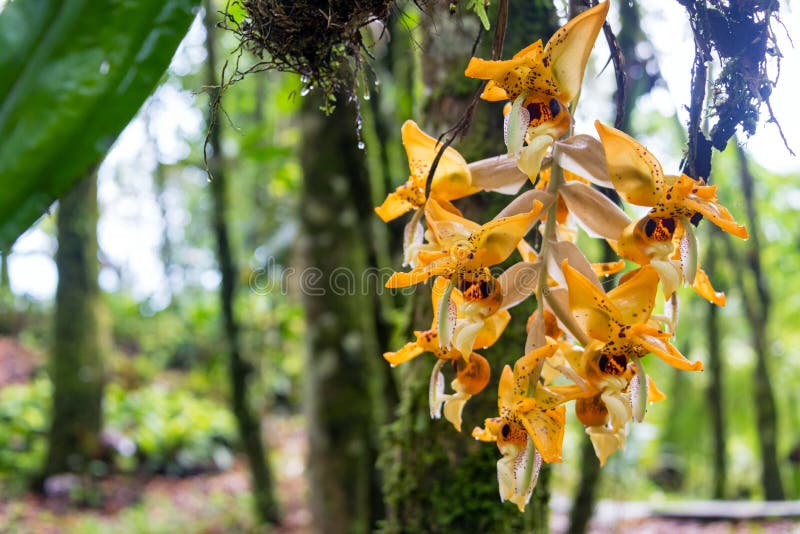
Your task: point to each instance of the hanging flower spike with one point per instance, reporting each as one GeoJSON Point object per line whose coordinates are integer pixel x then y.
{"type": "Point", "coordinates": [525, 433]}
{"type": "Point", "coordinates": [666, 230]}
{"type": "Point", "coordinates": [541, 82]}
{"type": "Point", "coordinates": [452, 179]}
{"type": "Point", "coordinates": [467, 249]}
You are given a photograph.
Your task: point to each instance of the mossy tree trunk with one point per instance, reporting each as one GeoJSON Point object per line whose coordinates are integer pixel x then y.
{"type": "Point", "coordinates": [439, 480]}
{"type": "Point", "coordinates": [76, 366]}
{"type": "Point", "coordinates": [5, 279]}
{"type": "Point", "coordinates": [344, 383]}
{"type": "Point", "coordinates": [266, 505]}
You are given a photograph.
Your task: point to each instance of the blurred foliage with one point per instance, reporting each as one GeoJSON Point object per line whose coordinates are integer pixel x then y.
{"type": "Point", "coordinates": [153, 428]}
{"type": "Point", "coordinates": [200, 511]}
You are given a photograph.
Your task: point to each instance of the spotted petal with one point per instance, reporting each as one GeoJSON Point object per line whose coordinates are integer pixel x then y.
{"type": "Point", "coordinates": [592, 308]}
{"type": "Point", "coordinates": [452, 178]}
{"type": "Point", "coordinates": [497, 239]}
{"type": "Point", "coordinates": [635, 172]}
{"type": "Point", "coordinates": [636, 296]}
{"type": "Point", "coordinates": [569, 48]}
{"type": "Point", "coordinates": [654, 341]}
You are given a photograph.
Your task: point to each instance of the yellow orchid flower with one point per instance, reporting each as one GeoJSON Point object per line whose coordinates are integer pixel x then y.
{"type": "Point", "coordinates": [618, 326]}
{"type": "Point", "coordinates": [619, 320]}
{"type": "Point", "coordinates": [541, 81]}
{"type": "Point", "coordinates": [466, 249]}
{"type": "Point", "coordinates": [452, 179]}
{"type": "Point", "coordinates": [472, 370]}
{"type": "Point", "coordinates": [525, 432]}
{"type": "Point", "coordinates": [605, 402]}
{"type": "Point", "coordinates": [658, 238]}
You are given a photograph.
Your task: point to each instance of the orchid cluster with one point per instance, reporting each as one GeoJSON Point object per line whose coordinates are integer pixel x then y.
{"type": "Point", "coordinates": [584, 344]}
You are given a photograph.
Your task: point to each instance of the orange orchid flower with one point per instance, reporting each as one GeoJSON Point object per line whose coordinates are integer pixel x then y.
{"type": "Point", "coordinates": [472, 370]}
{"type": "Point", "coordinates": [466, 249]}
{"type": "Point", "coordinates": [541, 81]}
{"type": "Point", "coordinates": [526, 433]}
{"type": "Point", "coordinates": [664, 237]}
{"type": "Point", "coordinates": [452, 179]}
{"type": "Point", "coordinates": [619, 320]}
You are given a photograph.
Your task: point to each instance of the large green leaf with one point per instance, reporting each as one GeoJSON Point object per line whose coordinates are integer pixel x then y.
{"type": "Point", "coordinates": [72, 74]}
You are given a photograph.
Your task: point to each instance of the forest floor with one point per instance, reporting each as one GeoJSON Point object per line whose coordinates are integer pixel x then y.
{"type": "Point", "coordinates": [213, 503]}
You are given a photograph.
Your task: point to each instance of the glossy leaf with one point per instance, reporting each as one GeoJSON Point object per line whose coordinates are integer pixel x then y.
{"type": "Point", "coordinates": [72, 75]}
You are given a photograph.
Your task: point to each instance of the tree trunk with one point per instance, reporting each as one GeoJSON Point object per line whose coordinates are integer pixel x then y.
{"type": "Point", "coordinates": [756, 298]}
{"type": "Point", "coordinates": [715, 386]}
{"type": "Point", "coordinates": [343, 401]}
{"type": "Point", "coordinates": [76, 362]}
{"type": "Point", "coordinates": [248, 424]}
{"type": "Point", "coordinates": [5, 279]}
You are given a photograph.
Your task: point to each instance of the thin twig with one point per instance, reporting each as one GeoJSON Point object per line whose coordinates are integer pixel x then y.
{"type": "Point", "coordinates": [619, 72]}
{"type": "Point", "coordinates": [462, 126]}
{"type": "Point", "coordinates": [618, 59]}
{"type": "Point", "coordinates": [780, 130]}
{"type": "Point", "coordinates": [500, 32]}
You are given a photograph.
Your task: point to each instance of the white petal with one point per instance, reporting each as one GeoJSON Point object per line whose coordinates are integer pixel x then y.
{"type": "Point", "coordinates": [594, 211]}
{"type": "Point", "coordinates": [669, 274]}
{"type": "Point", "coordinates": [464, 338]}
{"type": "Point", "coordinates": [536, 335]}
{"type": "Point", "coordinates": [525, 202]}
{"type": "Point", "coordinates": [564, 250]}
{"type": "Point", "coordinates": [446, 317]}
{"type": "Point", "coordinates": [688, 250]}
{"type": "Point", "coordinates": [638, 389]}
{"type": "Point", "coordinates": [584, 155]}
{"type": "Point", "coordinates": [453, 407]}
{"type": "Point", "coordinates": [436, 394]}
{"type": "Point", "coordinates": [412, 237]}
{"type": "Point", "coordinates": [499, 174]}
{"type": "Point", "coordinates": [515, 125]}
{"type": "Point", "coordinates": [518, 282]}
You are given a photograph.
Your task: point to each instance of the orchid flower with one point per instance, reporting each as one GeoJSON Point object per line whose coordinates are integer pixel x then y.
{"type": "Point", "coordinates": [540, 82]}
{"type": "Point", "coordinates": [453, 178]}
{"type": "Point", "coordinates": [526, 433]}
{"type": "Point", "coordinates": [664, 237]}
{"type": "Point", "coordinates": [618, 323]}
{"type": "Point", "coordinates": [472, 369]}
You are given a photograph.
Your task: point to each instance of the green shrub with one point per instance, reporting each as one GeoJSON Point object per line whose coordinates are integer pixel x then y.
{"type": "Point", "coordinates": [152, 428]}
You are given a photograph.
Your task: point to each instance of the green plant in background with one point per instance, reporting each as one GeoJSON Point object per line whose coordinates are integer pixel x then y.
{"type": "Point", "coordinates": [23, 429]}
{"type": "Point", "coordinates": [153, 428]}
{"type": "Point", "coordinates": [165, 430]}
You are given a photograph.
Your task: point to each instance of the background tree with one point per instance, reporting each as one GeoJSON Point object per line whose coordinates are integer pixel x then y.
{"type": "Point", "coordinates": [343, 378]}
{"type": "Point", "coordinates": [77, 354]}
{"type": "Point", "coordinates": [240, 370]}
